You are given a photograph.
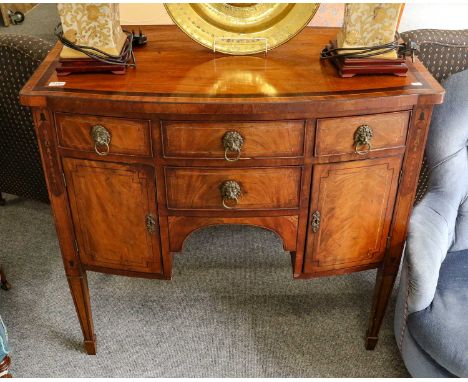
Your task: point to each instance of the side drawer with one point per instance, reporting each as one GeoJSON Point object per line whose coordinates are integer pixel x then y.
{"type": "Point", "coordinates": [337, 136]}
{"type": "Point", "coordinates": [250, 188]}
{"type": "Point", "coordinates": [266, 139]}
{"type": "Point", "coordinates": [123, 136]}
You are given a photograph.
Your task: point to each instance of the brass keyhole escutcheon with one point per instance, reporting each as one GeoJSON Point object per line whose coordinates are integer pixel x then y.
{"type": "Point", "coordinates": [315, 222]}
{"type": "Point", "coordinates": [230, 193]}
{"type": "Point", "coordinates": [362, 139]}
{"type": "Point", "coordinates": [151, 223]}
{"type": "Point", "coordinates": [232, 142]}
{"type": "Point", "coordinates": [101, 138]}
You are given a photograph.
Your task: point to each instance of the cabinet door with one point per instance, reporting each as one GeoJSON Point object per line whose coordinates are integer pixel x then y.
{"type": "Point", "coordinates": [350, 215]}
{"type": "Point", "coordinates": [114, 213]}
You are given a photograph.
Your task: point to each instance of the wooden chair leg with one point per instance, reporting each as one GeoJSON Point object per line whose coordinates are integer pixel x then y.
{"type": "Point", "coordinates": [4, 284]}
{"type": "Point", "coordinates": [2, 200]}
{"type": "Point", "coordinates": [4, 368]}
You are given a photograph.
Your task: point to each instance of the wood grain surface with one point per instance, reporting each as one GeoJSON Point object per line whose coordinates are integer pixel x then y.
{"type": "Point", "coordinates": [335, 136]}
{"type": "Point", "coordinates": [128, 136]}
{"type": "Point", "coordinates": [262, 188]}
{"type": "Point", "coordinates": [110, 204]}
{"type": "Point", "coordinates": [355, 201]}
{"type": "Point", "coordinates": [172, 69]}
{"type": "Point", "coordinates": [181, 226]}
{"type": "Point", "coordinates": [280, 139]}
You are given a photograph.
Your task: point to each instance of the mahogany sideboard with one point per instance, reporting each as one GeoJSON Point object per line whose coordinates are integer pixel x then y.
{"type": "Point", "coordinates": [136, 162]}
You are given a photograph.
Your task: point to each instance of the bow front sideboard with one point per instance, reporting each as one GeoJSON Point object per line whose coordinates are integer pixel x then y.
{"type": "Point", "coordinates": [135, 163]}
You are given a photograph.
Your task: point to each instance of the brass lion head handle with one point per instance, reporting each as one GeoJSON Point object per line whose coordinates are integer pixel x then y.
{"type": "Point", "coordinates": [101, 138]}
{"type": "Point", "coordinates": [230, 192]}
{"type": "Point", "coordinates": [232, 142]}
{"type": "Point", "coordinates": [362, 139]}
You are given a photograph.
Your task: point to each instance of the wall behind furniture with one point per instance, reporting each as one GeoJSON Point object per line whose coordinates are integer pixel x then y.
{"type": "Point", "coordinates": [155, 14]}
{"type": "Point", "coordinates": [415, 16]}
{"type": "Point", "coordinates": [434, 16]}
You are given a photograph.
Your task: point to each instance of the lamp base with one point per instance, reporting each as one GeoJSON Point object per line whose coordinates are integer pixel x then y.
{"type": "Point", "coordinates": [67, 66]}
{"type": "Point", "coordinates": [349, 67]}
{"type": "Point", "coordinates": [71, 65]}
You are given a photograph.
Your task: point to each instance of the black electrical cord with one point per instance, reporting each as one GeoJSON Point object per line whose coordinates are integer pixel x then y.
{"type": "Point", "coordinates": [125, 58]}
{"type": "Point", "coordinates": [361, 51]}
{"type": "Point", "coordinates": [402, 49]}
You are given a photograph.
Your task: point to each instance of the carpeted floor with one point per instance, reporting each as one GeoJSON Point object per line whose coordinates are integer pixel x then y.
{"type": "Point", "coordinates": [231, 310]}
{"type": "Point", "coordinates": [39, 21]}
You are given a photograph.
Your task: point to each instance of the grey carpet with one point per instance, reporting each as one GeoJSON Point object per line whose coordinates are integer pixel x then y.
{"type": "Point", "coordinates": [39, 21]}
{"type": "Point", "coordinates": [231, 310]}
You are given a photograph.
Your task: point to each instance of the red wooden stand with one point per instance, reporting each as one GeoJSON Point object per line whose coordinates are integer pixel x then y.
{"type": "Point", "coordinates": [349, 67]}
{"type": "Point", "coordinates": [67, 66]}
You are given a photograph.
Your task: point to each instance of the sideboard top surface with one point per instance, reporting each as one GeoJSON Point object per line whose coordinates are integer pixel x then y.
{"type": "Point", "coordinates": [174, 69]}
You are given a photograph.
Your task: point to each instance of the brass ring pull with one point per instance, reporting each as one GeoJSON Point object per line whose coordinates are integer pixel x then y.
{"type": "Point", "coordinates": [105, 152]}
{"type": "Point", "coordinates": [362, 152]}
{"type": "Point", "coordinates": [363, 137]}
{"type": "Point", "coordinates": [101, 138]}
{"type": "Point", "coordinates": [236, 158]}
{"type": "Point", "coordinates": [232, 142]}
{"type": "Point", "coordinates": [230, 191]}
{"type": "Point", "coordinates": [229, 207]}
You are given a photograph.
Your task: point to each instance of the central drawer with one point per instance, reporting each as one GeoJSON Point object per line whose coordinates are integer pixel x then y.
{"type": "Point", "coordinates": [233, 140]}
{"type": "Point", "coordinates": [260, 188]}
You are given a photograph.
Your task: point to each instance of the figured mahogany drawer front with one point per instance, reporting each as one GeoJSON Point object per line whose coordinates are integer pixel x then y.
{"type": "Point", "coordinates": [104, 135]}
{"type": "Point", "coordinates": [233, 140]}
{"type": "Point", "coordinates": [233, 189]}
{"type": "Point", "coordinates": [361, 134]}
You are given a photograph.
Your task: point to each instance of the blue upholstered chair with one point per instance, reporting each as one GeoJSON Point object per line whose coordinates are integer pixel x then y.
{"type": "Point", "coordinates": [4, 350]}
{"type": "Point", "coordinates": [431, 319]}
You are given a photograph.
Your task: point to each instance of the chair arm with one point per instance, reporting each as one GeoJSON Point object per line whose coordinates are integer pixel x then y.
{"type": "Point", "coordinates": [434, 56]}
{"type": "Point", "coordinates": [426, 247]}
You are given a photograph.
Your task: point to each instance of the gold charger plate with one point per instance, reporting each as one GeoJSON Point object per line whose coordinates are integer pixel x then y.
{"type": "Point", "coordinates": [243, 28]}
